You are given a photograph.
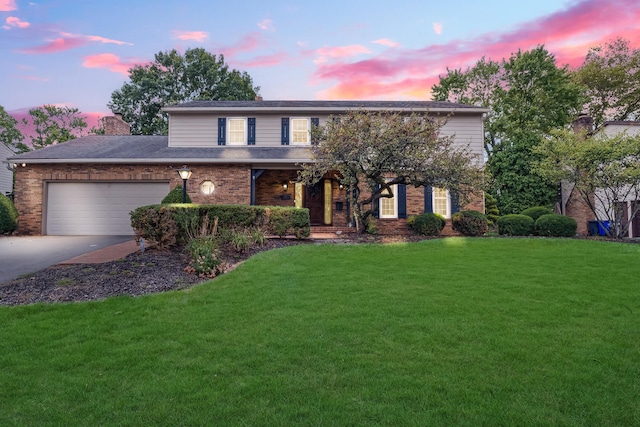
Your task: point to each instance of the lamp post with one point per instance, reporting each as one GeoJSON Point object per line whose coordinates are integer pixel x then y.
{"type": "Point", "coordinates": [185, 174]}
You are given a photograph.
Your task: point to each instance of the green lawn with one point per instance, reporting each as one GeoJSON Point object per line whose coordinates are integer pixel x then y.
{"type": "Point", "coordinates": [443, 332]}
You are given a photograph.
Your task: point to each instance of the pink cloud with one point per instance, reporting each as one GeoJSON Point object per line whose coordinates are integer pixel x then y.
{"type": "Point", "coordinates": [69, 41]}
{"type": "Point", "coordinates": [7, 5]}
{"type": "Point", "coordinates": [199, 36]}
{"type": "Point", "coordinates": [12, 21]}
{"type": "Point", "coordinates": [266, 25]}
{"type": "Point", "coordinates": [264, 61]}
{"type": "Point", "coordinates": [110, 62]}
{"type": "Point", "coordinates": [248, 43]}
{"type": "Point", "coordinates": [437, 28]}
{"type": "Point", "coordinates": [33, 78]}
{"type": "Point", "coordinates": [386, 42]}
{"type": "Point", "coordinates": [410, 73]}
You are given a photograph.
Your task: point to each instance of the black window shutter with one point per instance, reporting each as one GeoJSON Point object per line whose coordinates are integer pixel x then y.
{"type": "Point", "coordinates": [402, 200]}
{"type": "Point", "coordinates": [222, 130]}
{"type": "Point", "coordinates": [455, 202]}
{"type": "Point", "coordinates": [375, 209]}
{"type": "Point", "coordinates": [285, 131]}
{"type": "Point", "coordinates": [428, 199]}
{"type": "Point", "coordinates": [251, 131]}
{"type": "Point", "coordinates": [315, 121]}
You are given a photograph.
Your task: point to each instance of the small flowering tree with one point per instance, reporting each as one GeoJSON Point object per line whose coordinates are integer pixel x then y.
{"type": "Point", "coordinates": [373, 150]}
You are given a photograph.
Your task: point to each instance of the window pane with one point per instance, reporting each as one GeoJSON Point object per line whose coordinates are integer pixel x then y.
{"type": "Point", "coordinates": [299, 131]}
{"type": "Point", "coordinates": [237, 131]}
{"type": "Point", "coordinates": [388, 206]}
{"type": "Point", "coordinates": [440, 202]}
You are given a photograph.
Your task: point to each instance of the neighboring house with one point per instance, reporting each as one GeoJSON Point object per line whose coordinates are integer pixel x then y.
{"type": "Point", "coordinates": [6, 174]}
{"type": "Point", "coordinates": [631, 128]}
{"type": "Point", "coordinates": [239, 152]}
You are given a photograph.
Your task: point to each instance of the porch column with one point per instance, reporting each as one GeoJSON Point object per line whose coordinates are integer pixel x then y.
{"type": "Point", "coordinates": [255, 174]}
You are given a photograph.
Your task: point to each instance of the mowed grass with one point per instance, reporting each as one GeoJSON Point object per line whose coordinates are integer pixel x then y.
{"type": "Point", "coordinates": [444, 332]}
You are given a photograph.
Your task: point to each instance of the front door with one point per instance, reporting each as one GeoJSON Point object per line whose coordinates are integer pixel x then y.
{"type": "Point", "coordinates": [314, 201]}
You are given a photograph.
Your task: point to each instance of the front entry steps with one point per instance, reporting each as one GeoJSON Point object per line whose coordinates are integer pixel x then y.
{"type": "Point", "coordinates": [330, 232]}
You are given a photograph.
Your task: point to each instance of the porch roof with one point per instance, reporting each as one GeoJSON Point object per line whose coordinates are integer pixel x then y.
{"type": "Point", "coordinates": [154, 149]}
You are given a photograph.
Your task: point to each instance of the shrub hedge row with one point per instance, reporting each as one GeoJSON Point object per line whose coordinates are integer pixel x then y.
{"type": "Point", "coordinates": [469, 223]}
{"type": "Point", "coordinates": [169, 224]}
{"type": "Point", "coordinates": [426, 224]}
{"type": "Point", "coordinates": [550, 225]}
{"type": "Point", "coordinates": [8, 215]}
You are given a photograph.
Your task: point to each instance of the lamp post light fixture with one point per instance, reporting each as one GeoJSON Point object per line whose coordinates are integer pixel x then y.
{"type": "Point", "coordinates": [185, 174]}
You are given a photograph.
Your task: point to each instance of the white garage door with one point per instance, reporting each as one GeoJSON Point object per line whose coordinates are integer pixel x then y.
{"type": "Point", "coordinates": [97, 209]}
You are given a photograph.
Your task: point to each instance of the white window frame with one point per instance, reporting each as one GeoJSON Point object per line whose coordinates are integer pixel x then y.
{"type": "Point", "coordinates": [394, 200]}
{"type": "Point", "coordinates": [292, 130]}
{"type": "Point", "coordinates": [447, 214]}
{"type": "Point", "coordinates": [229, 120]}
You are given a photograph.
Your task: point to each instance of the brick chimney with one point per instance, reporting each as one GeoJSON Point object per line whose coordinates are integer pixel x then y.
{"type": "Point", "coordinates": [114, 125]}
{"type": "Point", "coordinates": [258, 98]}
{"type": "Point", "coordinates": [583, 123]}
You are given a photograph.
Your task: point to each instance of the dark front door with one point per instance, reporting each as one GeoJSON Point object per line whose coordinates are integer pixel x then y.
{"type": "Point", "coordinates": [313, 200]}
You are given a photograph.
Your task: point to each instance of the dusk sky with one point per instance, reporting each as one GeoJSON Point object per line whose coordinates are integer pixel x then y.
{"type": "Point", "coordinates": [77, 52]}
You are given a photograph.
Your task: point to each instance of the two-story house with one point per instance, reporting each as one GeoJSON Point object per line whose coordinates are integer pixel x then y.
{"type": "Point", "coordinates": [239, 152]}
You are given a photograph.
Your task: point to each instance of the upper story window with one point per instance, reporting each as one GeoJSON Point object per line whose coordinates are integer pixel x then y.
{"type": "Point", "coordinates": [300, 131]}
{"type": "Point", "coordinates": [236, 131]}
{"type": "Point", "coordinates": [297, 130]}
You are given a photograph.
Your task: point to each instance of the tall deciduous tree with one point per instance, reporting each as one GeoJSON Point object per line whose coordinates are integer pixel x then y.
{"type": "Point", "coordinates": [9, 134]}
{"type": "Point", "coordinates": [611, 76]}
{"type": "Point", "coordinates": [604, 169]}
{"type": "Point", "coordinates": [529, 95]}
{"type": "Point", "coordinates": [372, 151]}
{"type": "Point", "coordinates": [53, 125]}
{"type": "Point", "coordinates": [174, 78]}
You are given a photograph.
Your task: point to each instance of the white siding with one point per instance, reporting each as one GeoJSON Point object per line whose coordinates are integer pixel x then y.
{"type": "Point", "coordinates": [467, 130]}
{"type": "Point", "coordinates": [6, 176]}
{"type": "Point", "coordinates": [613, 129]}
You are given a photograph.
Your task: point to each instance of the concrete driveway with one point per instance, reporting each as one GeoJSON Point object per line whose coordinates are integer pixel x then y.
{"type": "Point", "coordinates": [27, 254]}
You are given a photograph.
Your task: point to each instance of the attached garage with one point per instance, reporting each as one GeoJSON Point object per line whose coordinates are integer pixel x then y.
{"type": "Point", "coordinates": [97, 208]}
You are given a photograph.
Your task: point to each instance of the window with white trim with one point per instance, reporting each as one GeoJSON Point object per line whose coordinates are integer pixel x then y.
{"type": "Point", "coordinates": [389, 205]}
{"type": "Point", "coordinates": [441, 202]}
{"type": "Point", "coordinates": [237, 131]}
{"type": "Point", "coordinates": [300, 131]}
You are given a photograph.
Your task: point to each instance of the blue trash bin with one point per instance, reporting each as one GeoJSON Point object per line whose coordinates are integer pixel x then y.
{"type": "Point", "coordinates": [603, 227]}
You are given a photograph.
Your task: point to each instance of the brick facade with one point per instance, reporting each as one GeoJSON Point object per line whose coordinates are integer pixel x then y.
{"type": "Point", "coordinates": [579, 210]}
{"type": "Point", "coordinates": [232, 184]}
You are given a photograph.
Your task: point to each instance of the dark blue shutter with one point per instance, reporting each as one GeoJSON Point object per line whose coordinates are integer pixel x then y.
{"type": "Point", "coordinates": [251, 131]}
{"type": "Point", "coordinates": [285, 131]}
{"type": "Point", "coordinates": [455, 202]}
{"type": "Point", "coordinates": [402, 200]}
{"type": "Point", "coordinates": [428, 199]}
{"type": "Point", "coordinates": [375, 208]}
{"type": "Point", "coordinates": [222, 130]}
{"type": "Point", "coordinates": [315, 121]}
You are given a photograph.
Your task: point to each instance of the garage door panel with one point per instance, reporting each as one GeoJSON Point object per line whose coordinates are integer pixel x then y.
{"type": "Point", "coordinates": [97, 208]}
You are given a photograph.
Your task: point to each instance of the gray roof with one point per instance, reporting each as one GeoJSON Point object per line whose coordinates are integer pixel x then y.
{"type": "Point", "coordinates": [155, 149]}
{"type": "Point", "coordinates": [330, 106]}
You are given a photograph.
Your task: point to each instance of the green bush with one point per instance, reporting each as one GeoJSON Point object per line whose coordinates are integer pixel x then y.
{"type": "Point", "coordinates": [491, 209]}
{"type": "Point", "coordinates": [283, 221]}
{"type": "Point", "coordinates": [175, 196]}
{"type": "Point", "coordinates": [554, 225]}
{"type": "Point", "coordinates": [156, 224]}
{"type": "Point", "coordinates": [469, 223]}
{"type": "Point", "coordinates": [426, 224]}
{"type": "Point", "coordinates": [515, 225]}
{"type": "Point", "coordinates": [8, 215]}
{"type": "Point", "coordinates": [536, 212]}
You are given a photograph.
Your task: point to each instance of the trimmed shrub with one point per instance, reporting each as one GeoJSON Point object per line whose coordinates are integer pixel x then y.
{"type": "Point", "coordinates": [156, 224]}
{"type": "Point", "coordinates": [8, 215]}
{"type": "Point", "coordinates": [536, 212]}
{"type": "Point", "coordinates": [426, 224]}
{"type": "Point", "coordinates": [491, 209]}
{"type": "Point", "coordinates": [554, 225]}
{"type": "Point", "coordinates": [283, 221]}
{"type": "Point", "coordinates": [469, 223]}
{"type": "Point", "coordinates": [175, 196]}
{"type": "Point", "coordinates": [515, 225]}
